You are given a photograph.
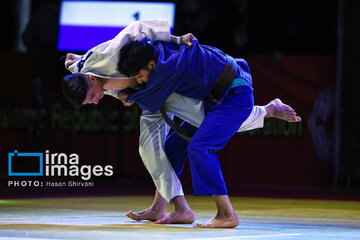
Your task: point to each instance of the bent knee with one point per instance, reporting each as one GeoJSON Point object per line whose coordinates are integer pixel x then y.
{"type": "Point", "coordinates": [195, 146]}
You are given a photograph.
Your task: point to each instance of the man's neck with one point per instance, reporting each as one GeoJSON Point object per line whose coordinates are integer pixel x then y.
{"type": "Point", "coordinates": [117, 83]}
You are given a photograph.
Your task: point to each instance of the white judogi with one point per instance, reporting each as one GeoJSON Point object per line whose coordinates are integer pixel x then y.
{"type": "Point", "coordinates": [102, 61]}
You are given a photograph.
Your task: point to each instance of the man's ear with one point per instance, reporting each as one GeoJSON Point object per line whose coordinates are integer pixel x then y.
{"type": "Point", "coordinates": [92, 78]}
{"type": "Point", "coordinates": [151, 64]}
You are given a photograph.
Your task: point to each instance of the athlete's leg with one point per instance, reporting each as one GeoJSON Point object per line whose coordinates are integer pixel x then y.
{"type": "Point", "coordinates": [176, 150]}
{"type": "Point", "coordinates": [153, 132]}
{"type": "Point", "coordinates": [220, 124]}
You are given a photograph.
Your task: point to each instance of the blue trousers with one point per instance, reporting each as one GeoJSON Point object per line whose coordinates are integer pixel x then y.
{"type": "Point", "coordinates": [221, 122]}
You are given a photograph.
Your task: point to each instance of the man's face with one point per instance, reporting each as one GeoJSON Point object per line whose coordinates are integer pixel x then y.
{"type": "Point", "coordinates": [95, 92]}
{"type": "Point", "coordinates": [144, 74]}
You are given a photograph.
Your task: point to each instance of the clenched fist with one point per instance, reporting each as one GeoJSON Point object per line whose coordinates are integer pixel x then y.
{"type": "Point", "coordinates": [122, 97]}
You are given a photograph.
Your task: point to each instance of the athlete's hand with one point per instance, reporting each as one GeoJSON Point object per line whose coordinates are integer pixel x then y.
{"type": "Point", "coordinates": [186, 39]}
{"type": "Point", "coordinates": [70, 59]}
{"type": "Point", "coordinates": [122, 96]}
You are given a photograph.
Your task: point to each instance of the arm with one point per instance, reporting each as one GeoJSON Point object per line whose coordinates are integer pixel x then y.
{"type": "Point", "coordinates": [70, 59]}
{"type": "Point", "coordinates": [121, 95]}
{"type": "Point", "coordinates": [154, 30]}
{"type": "Point", "coordinates": [104, 58]}
{"type": "Point", "coordinates": [183, 40]}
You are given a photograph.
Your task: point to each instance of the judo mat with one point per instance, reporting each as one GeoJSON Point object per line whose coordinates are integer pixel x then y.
{"type": "Point", "coordinates": [104, 218]}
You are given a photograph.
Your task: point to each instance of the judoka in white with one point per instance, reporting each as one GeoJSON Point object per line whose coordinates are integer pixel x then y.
{"type": "Point", "coordinates": [99, 66]}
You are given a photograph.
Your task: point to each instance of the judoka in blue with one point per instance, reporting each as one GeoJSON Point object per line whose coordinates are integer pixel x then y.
{"type": "Point", "coordinates": [193, 72]}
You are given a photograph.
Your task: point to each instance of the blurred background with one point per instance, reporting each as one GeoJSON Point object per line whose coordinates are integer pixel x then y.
{"type": "Point", "coordinates": [303, 52]}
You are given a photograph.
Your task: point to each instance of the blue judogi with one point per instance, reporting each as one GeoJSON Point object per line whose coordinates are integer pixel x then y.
{"type": "Point", "coordinates": [188, 71]}
{"type": "Point", "coordinates": [193, 72]}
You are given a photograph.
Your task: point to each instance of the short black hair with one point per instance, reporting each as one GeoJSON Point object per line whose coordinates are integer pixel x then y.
{"type": "Point", "coordinates": [135, 56]}
{"type": "Point", "coordinates": [75, 88]}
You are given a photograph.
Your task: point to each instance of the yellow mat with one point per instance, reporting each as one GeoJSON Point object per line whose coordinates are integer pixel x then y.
{"type": "Point", "coordinates": [104, 218]}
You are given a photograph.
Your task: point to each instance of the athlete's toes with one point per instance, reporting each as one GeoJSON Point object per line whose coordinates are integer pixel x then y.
{"type": "Point", "coordinates": [160, 221]}
{"type": "Point", "coordinates": [198, 225]}
{"type": "Point", "coordinates": [131, 215]}
{"type": "Point", "coordinates": [295, 119]}
{"type": "Point", "coordinates": [163, 220]}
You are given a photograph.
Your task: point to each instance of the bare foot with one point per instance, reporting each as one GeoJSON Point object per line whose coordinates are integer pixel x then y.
{"type": "Point", "coordinates": [182, 217]}
{"type": "Point", "coordinates": [278, 109]}
{"type": "Point", "coordinates": [147, 214]}
{"type": "Point", "coordinates": [220, 221]}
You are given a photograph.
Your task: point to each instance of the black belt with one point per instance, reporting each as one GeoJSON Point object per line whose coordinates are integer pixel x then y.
{"type": "Point", "coordinates": [227, 75]}
{"type": "Point", "coordinates": [182, 132]}
{"type": "Point", "coordinates": [224, 81]}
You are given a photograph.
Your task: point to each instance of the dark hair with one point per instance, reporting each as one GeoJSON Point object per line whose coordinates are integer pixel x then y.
{"type": "Point", "coordinates": [135, 56]}
{"type": "Point", "coordinates": [75, 88]}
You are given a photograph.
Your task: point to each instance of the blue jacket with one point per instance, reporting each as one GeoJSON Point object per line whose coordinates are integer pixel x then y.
{"type": "Point", "coordinates": [188, 71]}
